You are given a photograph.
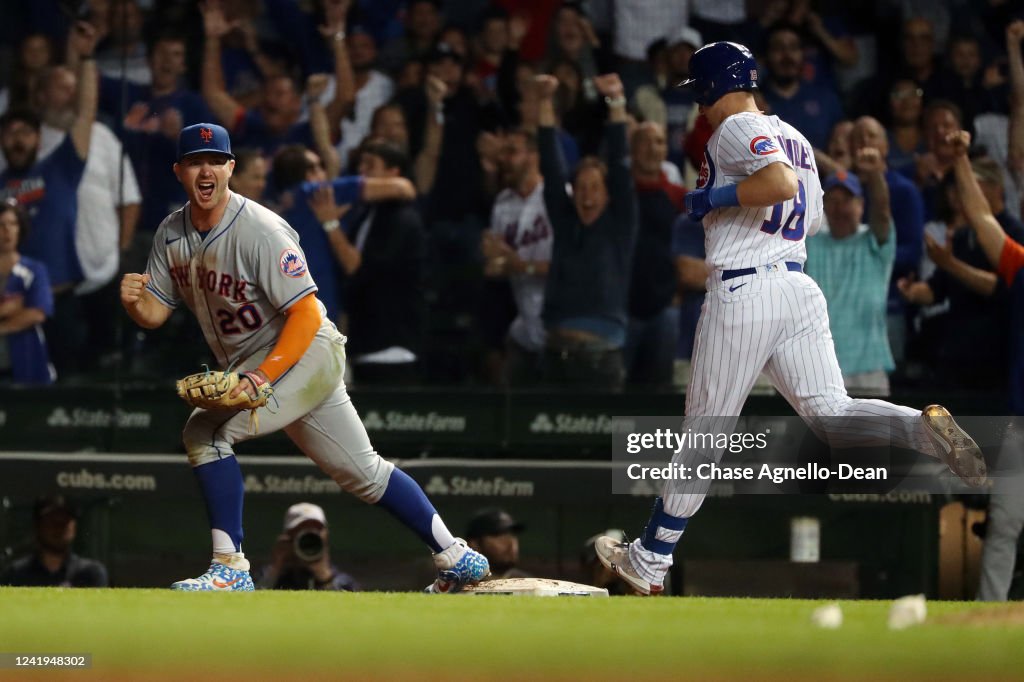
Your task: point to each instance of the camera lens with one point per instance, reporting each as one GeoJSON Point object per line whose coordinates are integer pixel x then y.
{"type": "Point", "coordinates": [309, 546]}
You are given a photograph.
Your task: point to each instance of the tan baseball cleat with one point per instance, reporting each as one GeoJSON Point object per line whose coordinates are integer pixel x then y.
{"type": "Point", "coordinates": [954, 447]}
{"type": "Point", "coordinates": [615, 557]}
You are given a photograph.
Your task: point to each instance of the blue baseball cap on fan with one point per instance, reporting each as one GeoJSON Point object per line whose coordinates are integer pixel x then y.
{"type": "Point", "coordinates": [846, 180]}
{"type": "Point", "coordinates": [204, 137]}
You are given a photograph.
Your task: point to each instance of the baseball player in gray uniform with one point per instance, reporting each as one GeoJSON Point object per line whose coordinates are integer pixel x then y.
{"type": "Point", "coordinates": [759, 196]}
{"type": "Point", "coordinates": [239, 268]}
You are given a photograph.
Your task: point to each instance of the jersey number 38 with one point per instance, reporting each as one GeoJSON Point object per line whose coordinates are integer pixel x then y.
{"type": "Point", "coordinates": [793, 228]}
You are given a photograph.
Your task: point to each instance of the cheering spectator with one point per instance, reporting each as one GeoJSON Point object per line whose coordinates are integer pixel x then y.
{"type": "Point", "coordinates": [301, 557]}
{"type": "Point", "coordinates": [250, 175]}
{"type": "Point", "coordinates": [276, 121]}
{"type": "Point", "coordinates": [123, 55]}
{"type": "Point", "coordinates": [676, 105]}
{"type": "Point", "coordinates": [967, 83]}
{"type": "Point", "coordinates": [47, 188]}
{"type": "Point", "coordinates": [906, 138]}
{"type": "Point", "coordinates": [422, 26]}
{"type": "Point", "coordinates": [975, 299]}
{"type": "Point", "coordinates": [372, 90]}
{"type": "Point", "coordinates": [852, 264]}
{"type": "Point", "coordinates": [34, 53]}
{"type": "Point", "coordinates": [813, 109]}
{"type": "Point", "coordinates": [53, 564]}
{"type": "Point", "coordinates": [638, 23]}
{"type": "Point", "coordinates": [595, 229]}
{"type": "Point", "coordinates": [907, 210]}
{"type": "Point", "coordinates": [653, 314]}
{"type": "Point", "coordinates": [941, 118]}
{"type": "Point", "coordinates": [25, 303]}
{"type": "Point", "coordinates": [108, 212]}
{"type": "Point", "coordinates": [518, 247]}
{"type": "Point", "coordinates": [384, 298]}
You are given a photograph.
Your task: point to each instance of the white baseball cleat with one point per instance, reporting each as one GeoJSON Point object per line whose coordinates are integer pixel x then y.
{"type": "Point", "coordinates": [614, 554]}
{"type": "Point", "coordinates": [458, 566]}
{"type": "Point", "coordinates": [954, 447]}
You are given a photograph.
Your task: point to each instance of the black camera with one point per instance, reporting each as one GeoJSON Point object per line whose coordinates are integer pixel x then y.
{"type": "Point", "coordinates": [309, 545]}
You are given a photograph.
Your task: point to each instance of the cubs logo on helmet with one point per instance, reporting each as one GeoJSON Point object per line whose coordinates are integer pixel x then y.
{"type": "Point", "coordinates": [763, 146]}
{"type": "Point", "coordinates": [292, 263]}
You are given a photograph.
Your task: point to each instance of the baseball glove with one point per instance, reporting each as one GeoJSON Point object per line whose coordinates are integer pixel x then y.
{"type": "Point", "coordinates": [211, 390]}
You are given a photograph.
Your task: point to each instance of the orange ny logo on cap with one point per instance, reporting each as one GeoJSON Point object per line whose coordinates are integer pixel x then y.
{"type": "Point", "coordinates": [206, 134]}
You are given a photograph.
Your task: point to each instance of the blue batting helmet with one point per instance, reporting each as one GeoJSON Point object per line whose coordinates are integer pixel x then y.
{"type": "Point", "coordinates": [720, 68]}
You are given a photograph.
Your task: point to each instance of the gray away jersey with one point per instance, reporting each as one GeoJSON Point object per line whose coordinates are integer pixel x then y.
{"type": "Point", "coordinates": [238, 281]}
{"type": "Point", "coordinates": [738, 237]}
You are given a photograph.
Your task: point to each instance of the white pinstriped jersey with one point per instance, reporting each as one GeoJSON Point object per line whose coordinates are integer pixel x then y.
{"type": "Point", "coordinates": [738, 237]}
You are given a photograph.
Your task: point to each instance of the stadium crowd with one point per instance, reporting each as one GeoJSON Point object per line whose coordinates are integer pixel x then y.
{"type": "Point", "coordinates": [491, 271]}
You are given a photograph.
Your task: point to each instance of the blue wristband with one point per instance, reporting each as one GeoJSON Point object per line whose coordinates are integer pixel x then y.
{"type": "Point", "coordinates": [723, 196]}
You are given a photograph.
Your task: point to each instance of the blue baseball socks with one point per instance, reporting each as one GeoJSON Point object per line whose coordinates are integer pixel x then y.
{"type": "Point", "coordinates": [221, 484]}
{"type": "Point", "coordinates": [409, 504]}
{"type": "Point", "coordinates": [651, 554]}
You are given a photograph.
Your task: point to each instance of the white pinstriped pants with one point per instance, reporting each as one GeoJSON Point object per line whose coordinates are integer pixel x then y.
{"type": "Point", "coordinates": [777, 321]}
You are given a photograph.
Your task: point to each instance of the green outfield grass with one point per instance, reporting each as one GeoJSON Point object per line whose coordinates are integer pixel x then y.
{"type": "Point", "coordinates": [157, 634]}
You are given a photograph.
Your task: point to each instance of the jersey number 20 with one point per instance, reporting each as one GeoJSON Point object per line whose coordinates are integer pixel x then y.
{"type": "Point", "coordinates": [793, 228]}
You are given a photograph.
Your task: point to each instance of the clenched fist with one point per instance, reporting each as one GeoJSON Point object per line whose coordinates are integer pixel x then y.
{"type": "Point", "coordinates": [132, 286]}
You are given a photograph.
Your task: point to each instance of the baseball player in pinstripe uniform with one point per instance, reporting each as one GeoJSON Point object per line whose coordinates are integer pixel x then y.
{"type": "Point", "coordinates": [239, 268]}
{"type": "Point", "coordinates": [759, 196]}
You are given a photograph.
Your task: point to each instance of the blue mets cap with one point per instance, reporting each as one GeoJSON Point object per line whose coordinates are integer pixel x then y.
{"type": "Point", "coordinates": [846, 180]}
{"type": "Point", "coordinates": [204, 137]}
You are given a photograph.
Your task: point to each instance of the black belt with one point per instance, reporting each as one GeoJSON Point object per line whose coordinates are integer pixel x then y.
{"type": "Point", "coordinates": [792, 266]}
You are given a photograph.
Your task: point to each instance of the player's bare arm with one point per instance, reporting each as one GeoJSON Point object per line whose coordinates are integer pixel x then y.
{"type": "Point", "coordinates": [870, 166]}
{"type": "Point", "coordinates": [82, 43]}
{"type": "Point", "coordinates": [143, 307]}
{"type": "Point", "coordinates": [979, 213]}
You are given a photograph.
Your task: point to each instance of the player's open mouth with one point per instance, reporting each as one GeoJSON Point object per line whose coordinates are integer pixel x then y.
{"type": "Point", "coordinates": [205, 190]}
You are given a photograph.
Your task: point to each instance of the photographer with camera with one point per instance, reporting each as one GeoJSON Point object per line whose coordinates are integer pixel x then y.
{"type": "Point", "coordinates": [301, 557]}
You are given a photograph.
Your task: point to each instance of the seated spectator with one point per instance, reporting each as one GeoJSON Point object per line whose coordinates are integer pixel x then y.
{"type": "Point", "coordinates": [906, 138]}
{"type": "Point", "coordinates": [25, 303]}
{"type": "Point", "coordinates": [838, 155]}
{"type": "Point", "coordinates": [653, 308]}
{"type": "Point", "coordinates": [53, 563]}
{"type": "Point", "coordinates": [812, 109]}
{"type": "Point", "coordinates": [518, 248]}
{"type": "Point", "coordinates": [301, 557]}
{"type": "Point", "coordinates": [47, 188]}
{"type": "Point", "coordinates": [595, 230]}
{"type": "Point", "coordinates": [495, 534]}
{"type": "Point", "coordinates": [852, 263]}
{"type": "Point", "coordinates": [250, 175]}
{"type": "Point", "coordinates": [388, 123]}
{"type": "Point", "coordinates": [384, 297]}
